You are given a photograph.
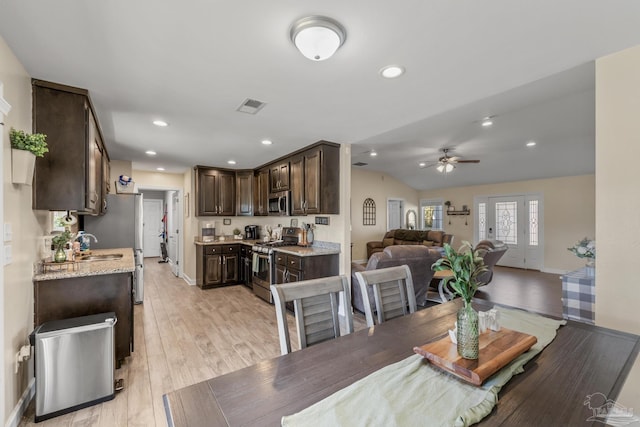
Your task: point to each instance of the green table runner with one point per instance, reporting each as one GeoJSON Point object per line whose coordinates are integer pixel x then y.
{"type": "Point", "coordinates": [413, 393]}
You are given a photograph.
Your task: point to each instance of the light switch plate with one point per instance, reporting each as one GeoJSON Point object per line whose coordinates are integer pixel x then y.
{"type": "Point", "coordinates": [8, 256]}
{"type": "Point", "coordinates": [8, 233]}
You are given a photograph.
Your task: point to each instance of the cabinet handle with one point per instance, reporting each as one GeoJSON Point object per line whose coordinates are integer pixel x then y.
{"type": "Point", "coordinates": [220, 260]}
{"type": "Point", "coordinates": [224, 259]}
{"type": "Point", "coordinates": [104, 204]}
{"type": "Point", "coordinates": [292, 262]}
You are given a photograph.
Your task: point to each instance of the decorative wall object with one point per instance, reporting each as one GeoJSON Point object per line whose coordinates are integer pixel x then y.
{"type": "Point", "coordinates": [369, 212]}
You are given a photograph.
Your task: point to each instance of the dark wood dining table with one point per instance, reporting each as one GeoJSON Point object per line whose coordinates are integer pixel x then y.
{"type": "Point", "coordinates": [582, 360]}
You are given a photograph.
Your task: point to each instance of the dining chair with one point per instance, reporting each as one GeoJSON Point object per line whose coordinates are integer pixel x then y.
{"type": "Point", "coordinates": [315, 304]}
{"type": "Point", "coordinates": [393, 293]}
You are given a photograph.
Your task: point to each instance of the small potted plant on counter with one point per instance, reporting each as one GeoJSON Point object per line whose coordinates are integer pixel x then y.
{"type": "Point", "coordinates": [236, 234]}
{"type": "Point", "coordinates": [25, 148]}
{"type": "Point", "coordinates": [59, 243]}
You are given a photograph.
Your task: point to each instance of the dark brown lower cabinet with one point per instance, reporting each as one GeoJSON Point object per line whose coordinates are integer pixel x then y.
{"type": "Point", "coordinates": [293, 268]}
{"type": "Point", "coordinates": [82, 296]}
{"type": "Point", "coordinates": [217, 265]}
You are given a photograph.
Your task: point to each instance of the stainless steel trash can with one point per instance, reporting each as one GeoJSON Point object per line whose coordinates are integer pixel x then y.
{"type": "Point", "coordinates": [74, 363]}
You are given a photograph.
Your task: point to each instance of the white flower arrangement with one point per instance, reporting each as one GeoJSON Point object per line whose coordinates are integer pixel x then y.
{"type": "Point", "coordinates": [585, 248]}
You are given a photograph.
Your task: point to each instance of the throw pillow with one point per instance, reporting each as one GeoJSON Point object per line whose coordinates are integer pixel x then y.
{"type": "Point", "coordinates": [427, 242]}
{"type": "Point", "coordinates": [387, 242]}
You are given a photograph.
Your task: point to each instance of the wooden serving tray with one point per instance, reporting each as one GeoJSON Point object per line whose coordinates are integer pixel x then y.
{"type": "Point", "coordinates": [497, 349]}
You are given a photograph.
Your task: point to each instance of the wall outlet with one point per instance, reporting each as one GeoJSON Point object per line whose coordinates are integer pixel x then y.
{"type": "Point", "coordinates": [322, 220]}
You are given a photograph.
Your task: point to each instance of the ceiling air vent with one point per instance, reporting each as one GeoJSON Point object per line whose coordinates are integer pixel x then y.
{"type": "Point", "coordinates": [251, 106]}
{"type": "Point", "coordinates": [360, 164]}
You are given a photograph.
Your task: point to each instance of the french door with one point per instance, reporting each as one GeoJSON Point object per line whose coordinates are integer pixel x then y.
{"type": "Point", "coordinates": [514, 220]}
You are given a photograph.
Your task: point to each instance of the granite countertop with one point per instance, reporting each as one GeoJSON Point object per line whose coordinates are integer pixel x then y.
{"type": "Point", "coordinates": [82, 268]}
{"type": "Point", "coordinates": [306, 251]}
{"type": "Point", "coordinates": [227, 242]}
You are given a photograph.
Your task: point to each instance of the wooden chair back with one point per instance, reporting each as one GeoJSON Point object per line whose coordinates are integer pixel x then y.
{"type": "Point", "coordinates": [393, 292]}
{"type": "Point", "coordinates": [316, 310]}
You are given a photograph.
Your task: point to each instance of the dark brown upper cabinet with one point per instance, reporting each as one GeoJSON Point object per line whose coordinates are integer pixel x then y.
{"type": "Point", "coordinates": [315, 180]}
{"type": "Point", "coordinates": [71, 175]}
{"type": "Point", "coordinates": [244, 192]}
{"type": "Point", "coordinates": [215, 191]}
{"type": "Point", "coordinates": [261, 193]}
{"type": "Point", "coordinates": [280, 176]}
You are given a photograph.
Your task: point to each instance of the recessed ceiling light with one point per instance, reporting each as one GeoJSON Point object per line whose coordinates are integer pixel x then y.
{"type": "Point", "coordinates": [160, 169]}
{"type": "Point", "coordinates": [373, 153]}
{"type": "Point", "coordinates": [486, 122]}
{"type": "Point", "coordinates": [150, 152]}
{"type": "Point", "coordinates": [392, 71]}
{"type": "Point", "coordinates": [231, 162]}
{"type": "Point", "coordinates": [422, 164]}
{"type": "Point", "coordinates": [531, 144]}
{"type": "Point", "coordinates": [160, 123]}
{"type": "Point", "coordinates": [266, 142]}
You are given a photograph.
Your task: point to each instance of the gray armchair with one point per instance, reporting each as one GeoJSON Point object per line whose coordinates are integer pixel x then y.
{"type": "Point", "coordinates": [491, 251]}
{"type": "Point", "coordinates": [418, 258]}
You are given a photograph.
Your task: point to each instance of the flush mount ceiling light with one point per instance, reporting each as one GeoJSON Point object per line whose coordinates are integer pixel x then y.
{"type": "Point", "coordinates": [317, 37]}
{"type": "Point", "coordinates": [160, 123]}
{"type": "Point", "coordinates": [392, 71]}
{"type": "Point", "coordinates": [487, 121]}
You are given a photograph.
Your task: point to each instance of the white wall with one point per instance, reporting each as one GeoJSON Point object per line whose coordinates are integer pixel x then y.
{"type": "Point", "coordinates": [569, 213]}
{"type": "Point", "coordinates": [379, 187]}
{"type": "Point", "coordinates": [28, 226]}
{"type": "Point", "coordinates": [618, 201]}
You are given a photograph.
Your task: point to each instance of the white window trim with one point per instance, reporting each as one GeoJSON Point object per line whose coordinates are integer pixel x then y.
{"type": "Point", "coordinates": [430, 202]}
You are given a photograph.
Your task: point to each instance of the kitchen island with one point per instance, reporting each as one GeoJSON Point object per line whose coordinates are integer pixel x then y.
{"type": "Point", "coordinates": [90, 287]}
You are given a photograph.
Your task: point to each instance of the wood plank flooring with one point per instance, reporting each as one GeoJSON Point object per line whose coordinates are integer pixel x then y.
{"type": "Point", "coordinates": [184, 335]}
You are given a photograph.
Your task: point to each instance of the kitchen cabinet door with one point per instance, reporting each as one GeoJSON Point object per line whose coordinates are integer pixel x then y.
{"type": "Point", "coordinates": [244, 192]}
{"type": "Point", "coordinates": [215, 192]}
{"type": "Point", "coordinates": [297, 185]}
{"type": "Point", "coordinates": [280, 177]}
{"type": "Point", "coordinates": [312, 181]}
{"type": "Point", "coordinates": [230, 266]}
{"type": "Point", "coordinates": [213, 270]}
{"type": "Point", "coordinates": [227, 193]}
{"type": "Point", "coordinates": [261, 193]}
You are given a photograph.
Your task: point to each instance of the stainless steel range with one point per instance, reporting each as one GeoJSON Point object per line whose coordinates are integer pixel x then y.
{"type": "Point", "coordinates": [264, 265]}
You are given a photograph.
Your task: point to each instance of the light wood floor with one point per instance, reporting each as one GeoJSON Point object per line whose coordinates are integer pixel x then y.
{"type": "Point", "coordinates": [184, 335]}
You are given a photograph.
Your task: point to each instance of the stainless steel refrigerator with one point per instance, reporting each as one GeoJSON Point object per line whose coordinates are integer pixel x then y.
{"type": "Point", "coordinates": [121, 227]}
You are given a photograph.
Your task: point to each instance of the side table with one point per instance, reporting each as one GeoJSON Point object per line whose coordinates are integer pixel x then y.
{"type": "Point", "coordinates": [579, 296]}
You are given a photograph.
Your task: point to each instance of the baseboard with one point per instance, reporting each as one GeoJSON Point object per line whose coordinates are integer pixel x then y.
{"type": "Point", "coordinates": [18, 411]}
{"type": "Point", "coordinates": [188, 279]}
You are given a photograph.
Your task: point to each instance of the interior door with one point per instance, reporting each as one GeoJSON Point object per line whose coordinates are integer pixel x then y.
{"type": "Point", "coordinates": [173, 233]}
{"type": "Point", "coordinates": [506, 222]}
{"type": "Point", "coordinates": [394, 214]}
{"type": "Point", "coordinates": [152, 227]}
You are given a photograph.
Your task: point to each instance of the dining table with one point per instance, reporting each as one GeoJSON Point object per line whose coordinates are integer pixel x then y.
{"type": "Point", "coordinates": [583, 359]}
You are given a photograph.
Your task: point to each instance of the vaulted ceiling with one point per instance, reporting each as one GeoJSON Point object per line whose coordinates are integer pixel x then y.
{"type": "Point", "coordinates": [192, 63]}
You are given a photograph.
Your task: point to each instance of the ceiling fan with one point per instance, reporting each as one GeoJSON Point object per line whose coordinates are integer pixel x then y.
{"type": "Point", "coordinates": [447, 163]}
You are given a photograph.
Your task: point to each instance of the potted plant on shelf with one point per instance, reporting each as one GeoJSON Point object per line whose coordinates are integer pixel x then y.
{"type": "Point", "coordinates": [25, 148]}
{"type": "Point", "coordinates": [465, 266]}
{"type": "Point", "coordinates": [59, 242]}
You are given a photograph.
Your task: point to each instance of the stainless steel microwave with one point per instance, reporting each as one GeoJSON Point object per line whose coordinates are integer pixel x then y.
{"type": "Point", "coordinates": [280, 203]}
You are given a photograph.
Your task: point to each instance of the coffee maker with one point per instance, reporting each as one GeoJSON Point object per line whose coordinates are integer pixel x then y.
{"type": "Point", "coordinates": [251, 232]}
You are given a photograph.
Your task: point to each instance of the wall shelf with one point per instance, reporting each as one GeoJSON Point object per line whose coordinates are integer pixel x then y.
{"type": "Point", "coordinates": [466, 212]}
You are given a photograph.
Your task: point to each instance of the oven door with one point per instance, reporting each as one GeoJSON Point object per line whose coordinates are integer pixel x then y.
{"type": "Point", "coordinates": [262, 277]}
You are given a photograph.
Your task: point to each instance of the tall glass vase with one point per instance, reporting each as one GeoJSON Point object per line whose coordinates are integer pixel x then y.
{"type": "Point", "coordinates": [467, 334]}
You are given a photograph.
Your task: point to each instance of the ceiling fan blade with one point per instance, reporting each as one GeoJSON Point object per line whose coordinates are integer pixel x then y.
{"type": "Point", "coordinates": [468, 161]}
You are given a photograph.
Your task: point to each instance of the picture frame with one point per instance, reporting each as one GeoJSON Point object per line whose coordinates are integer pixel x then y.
{"type": "Point", "coordinates": [226, 221]}
{"type": "Point", "coordinates": [294, 222]}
